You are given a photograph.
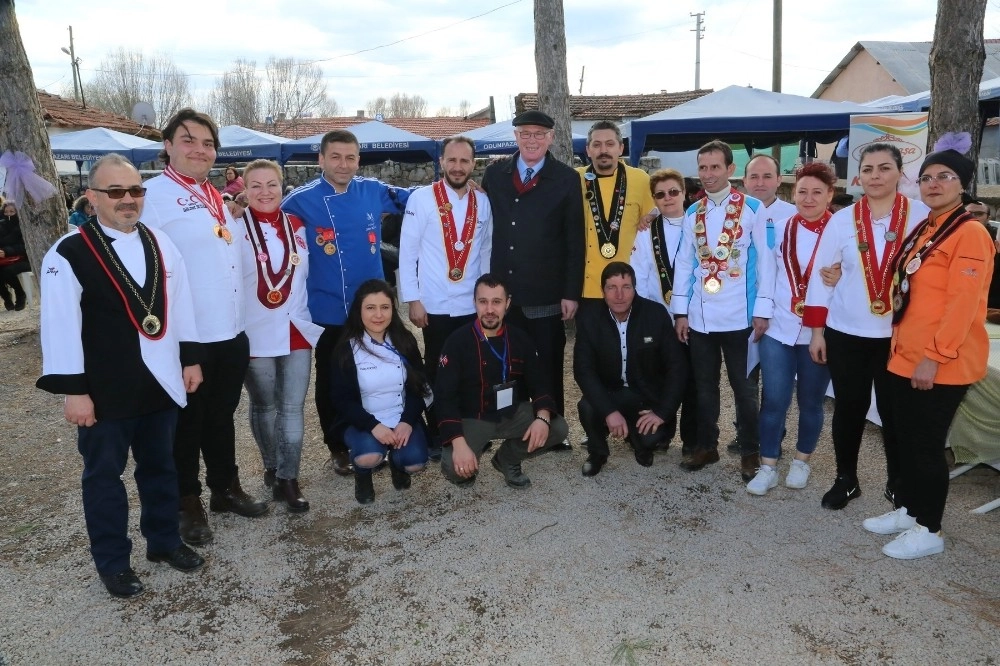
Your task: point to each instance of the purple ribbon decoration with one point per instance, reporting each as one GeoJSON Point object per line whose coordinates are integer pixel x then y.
{"type": "Point", "coordinates": [21, 179]}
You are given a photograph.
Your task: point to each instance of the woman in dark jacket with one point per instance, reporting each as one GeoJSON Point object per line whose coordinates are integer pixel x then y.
{"type": "Point", "coordinates": [379, 387]}
{"type": "Point", "coordinates": [13, 259]}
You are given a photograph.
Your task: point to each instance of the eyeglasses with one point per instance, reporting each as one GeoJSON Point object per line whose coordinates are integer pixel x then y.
{"type": "Point", "coordinates": [661, 194]}
{"type": "Point", "coordinates": [534, 135]}
{"type": "Point", "coordinates": [136, 191]}
{"type": "Point", "coordinates": [943, 177]}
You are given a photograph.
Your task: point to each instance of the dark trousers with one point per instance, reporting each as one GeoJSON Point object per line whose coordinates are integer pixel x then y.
{"type": "Point", "coordinates": [549, 335]}
{"type": "Point", "coordinates": [629, 403]}
{"type": "Point", "coordinates": [324, 404]}
{"type": "Point", "coordinates": [205, 426]}
{"type": "Point", "coordinates": [104, 447]}
{"type": "Point", "coordinates": [8, 278]}
{"type": "Point", "coordinates": [708, 350]}
{"type": "Point", "coordinates": [856, 364]}
{"type": "Point", "coordinates": [438, 328]}
{"type": "Point", "coordinates": [689, 405]}
{"type": "Point", "coordinates": [922, 421]}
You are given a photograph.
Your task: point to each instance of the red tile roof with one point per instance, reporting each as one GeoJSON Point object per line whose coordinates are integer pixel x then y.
{"type": "Point", "coordinates": [59, 112]}
{"type": "Point", "coordinates": [437, 127]}
{"type": "Point", "coordinates": [614, 107]}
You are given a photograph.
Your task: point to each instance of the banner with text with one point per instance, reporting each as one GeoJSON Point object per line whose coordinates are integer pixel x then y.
{"type": "Point", "coordinates": [906, 131]}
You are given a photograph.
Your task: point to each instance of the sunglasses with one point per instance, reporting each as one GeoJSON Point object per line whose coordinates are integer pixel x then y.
{"type": "Point", "coordinates": [673, 191]}
{"type": "Point", "coordinates": [136, 191]}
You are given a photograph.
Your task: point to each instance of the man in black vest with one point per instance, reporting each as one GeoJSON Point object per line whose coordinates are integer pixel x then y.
{"type": "Point", "coordinates": [538, 241]}
{"type": "Point", "coordinates": [628, 369]}
{"type": "Point", "coordinates": [119, 340]}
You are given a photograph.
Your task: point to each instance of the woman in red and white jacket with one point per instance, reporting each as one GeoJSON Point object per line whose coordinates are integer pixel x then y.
{"type": "Point", "coordinates": [282, 335]}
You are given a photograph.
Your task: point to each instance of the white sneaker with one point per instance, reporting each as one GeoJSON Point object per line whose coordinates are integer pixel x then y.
{"type": "Point", "coordinates": [798, 474]}
{"type": "Point", "coordinates": [767, 478]}
{"type": "Point", "coordinates": [893, 522]}
{"type": "Point", "coordinates": [914, 543]}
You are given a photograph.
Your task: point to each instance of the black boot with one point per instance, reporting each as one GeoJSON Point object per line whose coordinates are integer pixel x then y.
{"type": "Point", "coordinates": [364, 489]}
{"type": "Point", "coordinates": [236, 500]}
{"type": "Point", "coordinates": [290, 493]}
{"type": "Point", "coordinates": [400, 477]}
{"type": "Point", "coordinates": [193, 526]}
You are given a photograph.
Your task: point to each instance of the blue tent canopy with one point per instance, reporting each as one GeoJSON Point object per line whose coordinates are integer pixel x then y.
{"type": "Point", "coordinates": [92, 144]}
{"type": "Point", "coordinates": [379, 142]}
{"type": "Point", "coordinates": [238, 144]}
{"type": "Point", "coordinates": [498, 139]}
{"type": "Point", "coordinates": [747, 116]}
{"type": "Point", "coordinates": [989, 91]}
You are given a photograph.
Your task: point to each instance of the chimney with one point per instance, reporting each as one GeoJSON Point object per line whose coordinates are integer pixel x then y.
{"type": "Point", "coordinates": [361, 113]}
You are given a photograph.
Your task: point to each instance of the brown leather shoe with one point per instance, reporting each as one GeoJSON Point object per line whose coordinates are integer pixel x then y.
{"type": "Point", "coordinates": [235, 500]}
{"type": "Point", "coordinates": [291, 495]}
{"type": "Point", "coordinates": [749, 465]}
{"type": "Point", "coordinates": [194, 527]}
{"type": "Point", "coordinates": [699, 459]}
{"type": "Point", "coordinates": [342, 463]}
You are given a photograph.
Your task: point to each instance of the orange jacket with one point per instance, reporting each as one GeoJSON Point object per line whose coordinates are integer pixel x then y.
{"type": "Point", "coordinates": [946, 317]}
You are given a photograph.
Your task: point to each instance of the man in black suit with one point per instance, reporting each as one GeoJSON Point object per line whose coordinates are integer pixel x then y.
{"type": "Point", "coordinates": [629, 371]}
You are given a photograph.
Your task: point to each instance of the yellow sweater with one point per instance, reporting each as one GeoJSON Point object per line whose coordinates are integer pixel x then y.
{"type": "Point", "coordinates": [638, 202]}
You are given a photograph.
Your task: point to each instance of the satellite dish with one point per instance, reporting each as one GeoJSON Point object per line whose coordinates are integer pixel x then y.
{"type": "Point", "coordinates": [143, 114]}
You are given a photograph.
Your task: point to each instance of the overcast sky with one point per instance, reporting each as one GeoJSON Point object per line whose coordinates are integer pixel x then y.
{"type": "Point", "coordinates": [453, 50]}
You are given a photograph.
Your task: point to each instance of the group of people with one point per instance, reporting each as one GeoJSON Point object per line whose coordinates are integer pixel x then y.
{"type": "Point", "coordinates": [164, 305]}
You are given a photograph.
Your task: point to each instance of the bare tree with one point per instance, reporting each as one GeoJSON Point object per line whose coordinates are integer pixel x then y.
{"type": "Point", "coordinates": [376, 106]}
{"type": "Point", "coordinates": [443, 111]}
{"type": "Point", "coordinates": [238, 97]}
{"type": "Point", "coordinates": [406, 106]}
{"type": "Point", "coordinates": [23, 129]}
{"type": "Point", "coordinates": [328, 108]}
{"type": "Point", "coordinates": [464, 107]}
{"type": "Point", "coordinates": [293, 87]}
{"type": "Point", "coordinates": [956, 64]}
{"type": "Point", "coordinates": [126, 76]}
{"type": "Point", "coordinates": [550, 69]}
{"type": "Point", "coordinates": [288, 89]}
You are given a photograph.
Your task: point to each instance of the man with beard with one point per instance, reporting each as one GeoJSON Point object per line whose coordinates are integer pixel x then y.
{"type": "Point", "coordinates": [615, 198]}
{"type": "Point", "coordinates": [491, 386]}
{"type": "Point", "coordinates": [444, 246]}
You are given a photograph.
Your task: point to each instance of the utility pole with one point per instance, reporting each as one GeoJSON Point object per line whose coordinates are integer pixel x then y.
{"type": "Point", "coordinates": [582, 70]}
{"type": "Point", "coordinates": [776, 65]}
{"type": "Point", "coordinates": [75, 65]}
{"type": "Point", "coordinates": [699, 28]}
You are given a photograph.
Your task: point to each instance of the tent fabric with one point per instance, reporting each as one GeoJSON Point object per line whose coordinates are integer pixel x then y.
{"type": "Point", "coordinates": [92, 144]}
{"type": "Point", "coordinates": [747, 116]}
{"type": "Point", "coordinates": [498, 139]}
{"type": "Point", "coordinates": [989, 91]}
{"type": "Point", "coordinates": [238, 144]}
{"type": "Point", "coordinates": [379, 142]}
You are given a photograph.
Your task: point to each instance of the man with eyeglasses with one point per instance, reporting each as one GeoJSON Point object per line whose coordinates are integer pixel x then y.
{"type": "Point", "coordinates": [119, 341]}
{"type": "Point", "coordinates": [629, 367]}
{"type": "Point", "coordinates": [184, 205]}
{"type": "Point", "coordinates": [616, 197]}
{"type": "Point", "coordinates": [538, 242]}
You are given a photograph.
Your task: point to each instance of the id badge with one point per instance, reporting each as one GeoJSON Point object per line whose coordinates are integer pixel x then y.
{"type": "Point", "coordinates": [503, 395]}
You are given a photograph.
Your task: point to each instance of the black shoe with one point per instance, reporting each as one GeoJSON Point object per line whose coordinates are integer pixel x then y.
{"type": "Point", "coordinates": [643, 456]}
{"type": "Point", "coordinates": [364, 489]}
{"type": "Point", "coordinates": [434, 453]}
{"type": "Point", "coordinates": [735, 446]}
{"type": "Point", "coordinates": [749, 465]}
{"type": "Point", "coordinates": [845, 488]}
{"type": "Point", "coordinates": [891, 496]}
{"type": "Point", "coordinates": [182, 558]}
{"type": "Point", "coordinates": [400, 478]}
{"type": "Point", "coordinates": [8, 304]}
{"type": "Point", "coordinates": [341, 461]}
{"type": "Point", "coordinates": [123, 585]}
{"type": "Point", "coordinates": [194, 527]}
{"type": "Point", "coordinates": [699, 459]}
{"type": "Point", "coordinates": [269, 476]}
{"type": "Point", "coordinates": [288, 491]}
{"type": "Point", "coordinates": [19, 304]}
{"type": "Point", "coordinates": [594, 464]}
{"type": "Point", "coordinates": [562, 446]}
{"type": "Point", "coordinates": [512, 474]}
{"type": "Point", "coordinates": [233, 499]}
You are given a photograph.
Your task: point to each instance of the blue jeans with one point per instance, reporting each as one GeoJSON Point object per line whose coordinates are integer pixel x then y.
{"type": "Point", "coordinates": [707, 353]}
{"type": "Point", "coordinates": [411, 457]}
{"type": "Point", "coordinates": [779, 366]}
{"type": "Point", "coordinates": [277, 387]}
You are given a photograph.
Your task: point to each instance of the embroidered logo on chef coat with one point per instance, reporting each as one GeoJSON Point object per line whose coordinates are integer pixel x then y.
{"type": "Point", "coordinates": [970, 272]}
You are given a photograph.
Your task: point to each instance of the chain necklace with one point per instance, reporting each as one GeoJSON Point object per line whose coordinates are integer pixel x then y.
{"type": "Point", "coordinates": [151, 323]}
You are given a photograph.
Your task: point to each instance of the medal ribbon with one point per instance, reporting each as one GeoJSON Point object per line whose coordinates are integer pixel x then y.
{"type": "Point", "coordinates": [457, 259]}
{"type": "Point", "coordinates": [208, 196]}
{"type": "Point", "coordinates": [901, 298]}
{"type": "Point", "coordinates": [877, 275]}
{"type": "Point", "coordinates": [266, 276]}
{"type": "Point", "coordinates": [607, 232]}
{"type": "Point", "coordinates": [661, 257]}
{"type": "Point", "coordinates": [798, 280]}
{"type": "Point", "coordinates": [135, 309]}
{"type": "Point", "coordinates": [705, 256]}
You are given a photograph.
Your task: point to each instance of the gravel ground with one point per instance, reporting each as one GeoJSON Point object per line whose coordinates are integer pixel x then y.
{"type": "Point", "coordinates": [646, 565]}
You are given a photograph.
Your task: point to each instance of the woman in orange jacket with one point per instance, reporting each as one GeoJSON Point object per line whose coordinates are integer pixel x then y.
{"type": "Point", "coordinates": [939, 344]}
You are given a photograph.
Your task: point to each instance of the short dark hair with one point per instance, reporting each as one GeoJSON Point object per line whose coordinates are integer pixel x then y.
{"type": "Point", "coordinates": [617, 269]}
{"type": "Point", "coordinates": [717, 145]}
{"type": "Point", "coordinates": [186, 115]}
{"type": "Point", "coordinates": [459, 139]}
{"type": "Point", "coordinates": [491, 281]}
{"type": "Point", "coordinates": [604, 125]}
{"type": "Point", "coordinates": [338, 136]}
{"type": "Point", "coordinates": [777, 167]}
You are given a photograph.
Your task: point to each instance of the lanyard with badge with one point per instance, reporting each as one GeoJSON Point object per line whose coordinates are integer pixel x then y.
{"type": "Point", "coordinates": [502, 393]}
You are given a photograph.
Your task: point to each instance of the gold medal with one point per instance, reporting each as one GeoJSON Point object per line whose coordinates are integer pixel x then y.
{"type": "Point", "coordinates": [704, 252]}
{"type": "Point", "coordinates": [217, 230]}
{"type": "Point", "coordinates": [712, 285]}
{"type": "Point", "coordinates": [699, 227]}
{"type": "Point", "coordinates": [455, 274]}
{"type": "Point", "coordinates": [330, 248]}
{"type": "Point", "coordinates": [800, 308]}
{"type": "Point", "coordinates": [151, 324]}
{"type": "Point", "coordinates": [294, 259]}
{"type": "Point", "coordinates": [721, 253]}
{"type": "Point", "coordinates": [274, 296]}
{"type": "Point", "coordinates": [731, 209]}
{"type": "Point", "coordinates": [227, 235]}
{"type": "Point", "coordinates": [878, 307]}
{"type": "Point", "coordinates": [608, 250]}
{"type": "Point", "coordinates": [667, 296]}
{"type": "Point", "coordinates": [723, 238]}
